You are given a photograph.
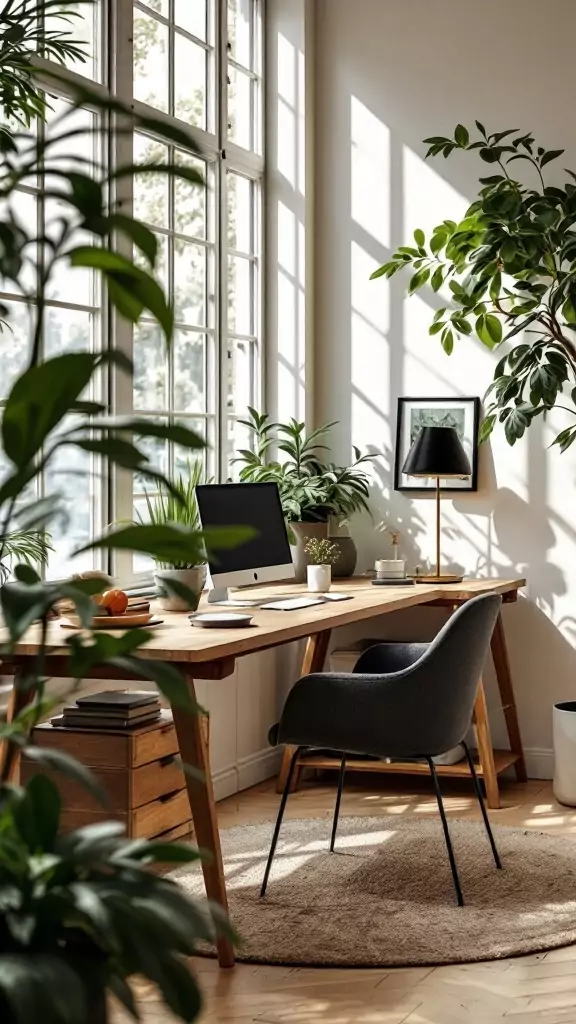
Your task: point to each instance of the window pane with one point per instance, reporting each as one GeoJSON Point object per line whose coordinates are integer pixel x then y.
{"type": "Point", "coordinates": [24, 206]}
{"type": "Point", "coordinates": [190, 200]}
{"type": "Point", "coordinates": [14, 344]}
{"type": "Point", "coordinates": [150, 61]}
{"type": "Point", "coordinates": [150, 190]}
{"type": "Point", "coordinates": [150, 368]}
{"type": "Point", "coordinates": [191, 15]}
{"type": "Point", "coordinates": [183, 457]}
{"type": "Point", "coordinates": [189, 81]}
{"type": "Point", "coordinates": [240, 377]}
{"type": "Point", "coordinates": [71, 473]}
{"type": "Point", "coordinates": [157, 451]}
{"type": "Point", "coordinates": [67, 330]}
{"type": "Point", "coordinates": [83, 30]}
{"type": "Point", "coordinates": [239, 31]}
{"type": "Point", "coordinates": [239, 213]}
{"type": "Point", "coordinates": [239, 295]}
{"type": "Point", "coordinates": [189, 372]}
{"type": "Point", "coordinates": [189, 283]}
{"type": "Point", "coordinates": [240, 108]}
{"type": "Point", "coordinates": [159, 6]}
{"type": "Point", "coordinates": [238, 437]}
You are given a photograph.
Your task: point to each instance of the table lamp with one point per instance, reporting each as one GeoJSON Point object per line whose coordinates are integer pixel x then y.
{"type": "Point", "coordinates": [437, 452]}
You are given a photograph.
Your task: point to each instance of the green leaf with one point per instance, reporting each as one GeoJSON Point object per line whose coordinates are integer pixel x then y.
{"type": "Point", "coordinates": [142, 237]}
{"type": "Point", "coordinates": [167, 679]}
{"type": "Point", "coordinates": [40, 399]}
{"type": "Point", "coordinates": [436, 328]}
{"type": "Point", "coordinates": [515, 425]}
{"type": "Point", "coordinates": [569, 310]}
{"type": "Point", "coordinates": [489, 329]}
{"type": "Point", "coordinates": [177, 433]}
{"type": "Point", "coordinates": [419, 237]}
{"type": "Point", "coordinates": [46, 806]}
{"type": "Point", "coordinates": [447, 341]}
{"type": "Point", "coordinates": [418, 280]}
{"type": "Point", "coordinates": [552, 154]}
{"type": "Point", "coordinates": [496, 286]}
{"type": "Point", "coordinates": [42, 987]}
{"type": "Point", "coordinates": [508, 250]}
{"type": "Point", "coordinates": [480, 128]}
{"type": "Point", "coordinates": [437, 279]}
{"type": "Point", "coordinates": [486, 427]}
{"type": "Point", "coordinates": [461, 136]}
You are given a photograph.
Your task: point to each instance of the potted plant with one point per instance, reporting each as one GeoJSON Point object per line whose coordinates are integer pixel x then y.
{"type": "Point", "coordinates": [322, 554]}
{"type": "Point", "coordinates": [81, 915]}
{"type": "Point", "coordinates": [510, 265]}
{"type": "Point", "coordinates": [180, 584]}
{"type": "Point", "coordinates": [317, 497]}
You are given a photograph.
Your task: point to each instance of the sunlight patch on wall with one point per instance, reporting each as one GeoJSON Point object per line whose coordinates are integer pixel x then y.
{"type": "Point", "coordinates": [428, 198]}
{"type": "Point", "coordinates": [370, 156]}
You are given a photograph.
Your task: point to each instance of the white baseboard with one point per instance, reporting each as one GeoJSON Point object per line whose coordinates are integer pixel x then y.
{"type": "Point", "coordinates": [247, 772]}
{"type": "Point", "coordinates": [539, 762]}
{"type": "Point", "coordinates": [225, 782]}
{"type": "Point", "coordinates": [255, 768]}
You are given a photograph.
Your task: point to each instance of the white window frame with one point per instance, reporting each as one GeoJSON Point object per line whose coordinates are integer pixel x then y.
{"type": "Point", "coordinates": [115, 61]}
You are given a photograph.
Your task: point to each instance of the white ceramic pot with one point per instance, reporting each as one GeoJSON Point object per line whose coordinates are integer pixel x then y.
{"type": "Point", "coordinates": [319, 578]}
{"type": "Point", "coordinates": [194, 579]}
{"type": "Point", "coordinates": [564, 731]}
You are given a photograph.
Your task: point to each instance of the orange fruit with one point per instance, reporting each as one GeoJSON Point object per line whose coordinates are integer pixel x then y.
{"type": "Point", "coordinates": [114, 601]}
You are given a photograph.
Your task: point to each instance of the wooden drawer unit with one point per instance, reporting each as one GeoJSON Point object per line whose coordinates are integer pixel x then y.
{"type": "Point", "coordinates": [139, 771]}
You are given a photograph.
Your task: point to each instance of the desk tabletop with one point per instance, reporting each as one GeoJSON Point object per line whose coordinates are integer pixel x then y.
{"type": "Point", "coordinates": [177, 641]}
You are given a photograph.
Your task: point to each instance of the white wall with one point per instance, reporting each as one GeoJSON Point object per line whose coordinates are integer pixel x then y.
{"type": "Point", "coordinates": [389, 74]}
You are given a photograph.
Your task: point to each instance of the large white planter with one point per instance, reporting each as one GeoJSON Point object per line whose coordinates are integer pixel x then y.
{"type": "Point", "coordinates": [194, 579]}
{"type": "Point", "coordinates": [564, 729]}
{"type": "Point", "coordinates": [319, 578]}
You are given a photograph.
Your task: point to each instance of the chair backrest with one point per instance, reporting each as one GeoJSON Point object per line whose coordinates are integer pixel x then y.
{"type": "Point", "coordinates": [441, 685]}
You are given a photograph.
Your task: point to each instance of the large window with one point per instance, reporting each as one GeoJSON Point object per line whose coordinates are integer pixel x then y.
{"type": "Point", "coordinates": [197, 63]}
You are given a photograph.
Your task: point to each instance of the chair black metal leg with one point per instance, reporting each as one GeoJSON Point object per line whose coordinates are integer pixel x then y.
{"type": "Point", "coordinates": [478, 790]}
{"type": "Point", "coordinates": [283, 801]}
{"type": "Point", "coordinates": [338, 799]}
{"type": "Point", "coordinates": [446, 832]}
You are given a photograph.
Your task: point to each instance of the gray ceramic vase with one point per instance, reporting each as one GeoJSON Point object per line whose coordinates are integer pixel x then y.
{"type": "Point", "coordinates": [301, 534]}
{"type": "Point", "coordinates": [348, 557]}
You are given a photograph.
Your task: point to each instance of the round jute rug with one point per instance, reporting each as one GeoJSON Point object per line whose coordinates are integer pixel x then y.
{"type": "Point", "coordinates": [385, 897]}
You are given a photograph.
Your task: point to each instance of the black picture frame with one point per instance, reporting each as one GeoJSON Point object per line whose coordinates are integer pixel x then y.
{"type": "Point", "coordinates": [471, 407]}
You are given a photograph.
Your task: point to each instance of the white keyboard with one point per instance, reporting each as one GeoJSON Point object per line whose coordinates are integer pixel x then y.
{"type": "Point", "coordinates": [293, 604]}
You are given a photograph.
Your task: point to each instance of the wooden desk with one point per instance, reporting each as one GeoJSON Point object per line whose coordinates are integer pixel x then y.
{"type": "Point", "coordinates": [211, 654]}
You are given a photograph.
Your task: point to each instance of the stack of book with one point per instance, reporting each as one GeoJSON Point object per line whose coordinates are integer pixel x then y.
{"type": "Point", "coordinates": [113, 709]}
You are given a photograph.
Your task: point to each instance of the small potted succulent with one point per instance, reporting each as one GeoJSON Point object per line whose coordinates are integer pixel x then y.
{"type": "Point", "coordinates": [322, 554]}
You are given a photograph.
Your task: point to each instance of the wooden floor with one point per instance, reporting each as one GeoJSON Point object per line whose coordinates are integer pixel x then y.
{"type": "Point", "coordinates": [528, 990]}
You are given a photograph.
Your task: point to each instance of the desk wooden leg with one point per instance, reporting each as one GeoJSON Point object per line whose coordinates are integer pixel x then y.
{"type": "Point", "coordinates": [504, 677]}
{"type": "Point", "coordinates": [485, 749]}
{"type": "Point", "coordinates": [19, 698]}
{"type": "Point", "coordinates": [201, 796]}
{"type": "Point", "coordinates": [313, 661]}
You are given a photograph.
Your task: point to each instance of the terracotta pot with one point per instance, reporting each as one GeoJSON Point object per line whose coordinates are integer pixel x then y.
{"type": "Point", "coordinates": [194, 579]}
{"type": "Point", "coordinates": [301, 534]}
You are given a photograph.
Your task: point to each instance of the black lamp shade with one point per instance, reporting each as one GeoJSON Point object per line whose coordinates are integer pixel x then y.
{"type": "Point", "coordinates": [437, 451]}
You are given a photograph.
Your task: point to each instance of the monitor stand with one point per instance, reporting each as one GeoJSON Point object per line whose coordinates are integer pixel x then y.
{"type": "Point", "coordinates": [222, 597]}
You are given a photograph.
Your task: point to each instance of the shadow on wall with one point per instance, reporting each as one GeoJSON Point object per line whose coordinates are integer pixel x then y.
{"type": "Point", "coordinates": [372, 190]}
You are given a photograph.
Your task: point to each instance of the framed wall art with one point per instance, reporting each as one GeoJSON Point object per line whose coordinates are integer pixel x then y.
{"type": "Point", "coordinates": [413, 413]}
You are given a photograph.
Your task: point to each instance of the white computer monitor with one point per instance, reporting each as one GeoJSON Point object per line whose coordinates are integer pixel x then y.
{"type": "Point", "coordinates": [264, 559]}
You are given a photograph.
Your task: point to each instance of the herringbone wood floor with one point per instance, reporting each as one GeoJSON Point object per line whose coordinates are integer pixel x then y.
{"type": "Point", "coordinates": [538, 989]}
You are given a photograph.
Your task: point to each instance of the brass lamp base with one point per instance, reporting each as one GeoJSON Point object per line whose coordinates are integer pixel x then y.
{"type": "Point", "coordinates": [438, 579]}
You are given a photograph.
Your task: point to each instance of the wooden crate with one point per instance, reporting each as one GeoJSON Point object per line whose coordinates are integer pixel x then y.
{"type": "Point", "coordinates": [138, 770]}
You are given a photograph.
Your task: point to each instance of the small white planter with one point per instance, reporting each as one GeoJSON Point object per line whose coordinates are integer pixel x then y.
{"type": "Point", "coordinates": [564, 729]}
{"type": "Point", "coordinates": [194, 579]}
{"type": "Point", "coordinates": [319, 578]}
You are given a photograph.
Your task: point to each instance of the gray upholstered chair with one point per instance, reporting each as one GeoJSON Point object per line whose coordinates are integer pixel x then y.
{"type": "Point", "coordinates": [402, 701]}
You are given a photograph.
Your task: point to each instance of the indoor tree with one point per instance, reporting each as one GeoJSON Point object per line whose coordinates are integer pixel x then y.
{"type": "Point", "coordinates": [510, 268]}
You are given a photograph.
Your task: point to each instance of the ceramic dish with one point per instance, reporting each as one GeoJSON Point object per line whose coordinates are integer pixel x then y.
{"type": "Point", "coordinates": [220, 620]}
{"type": "Point", "coordinates": [127, 621]}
